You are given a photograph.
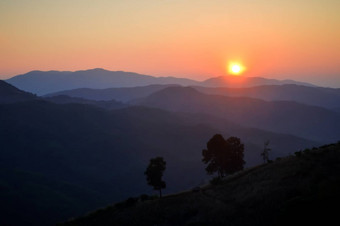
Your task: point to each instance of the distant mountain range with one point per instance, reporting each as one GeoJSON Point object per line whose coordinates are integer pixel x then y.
{"type": "Point", "coordinates": [315, 96]}
{"type": "Point", "coordinates": [41, 83]}
{"type": "Point", "coordinates": [240, 81]}
{"type": "Point", "coordinates": [63, 99]}
{"type": "Point", "coordinates": [121, 94]}
{"type": "Point", "coordinates": [306, 121]}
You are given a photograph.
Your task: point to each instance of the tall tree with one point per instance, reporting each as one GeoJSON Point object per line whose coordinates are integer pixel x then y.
{"type": "Point", "coordinates": [154, 173]}
{"type": "Point", "coordinates": [223, 156]}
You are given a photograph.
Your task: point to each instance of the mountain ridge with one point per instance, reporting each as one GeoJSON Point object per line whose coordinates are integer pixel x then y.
{"type": "Point", "coordinates": [11, 94]}
{"type": "Point", "coordinates": [277, 116]}
{"type": "Point", "coordinates": [44, 82]}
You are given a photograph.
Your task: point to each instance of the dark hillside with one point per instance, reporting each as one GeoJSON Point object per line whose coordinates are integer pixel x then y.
{"type": "Point", "coordinates": [296, 190]}
{"type": "Point", "coordinates": [10, 94]}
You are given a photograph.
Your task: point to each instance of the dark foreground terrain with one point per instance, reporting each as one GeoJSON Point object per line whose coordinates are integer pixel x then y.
{"type": "Point", "coordinates": [300, 189]}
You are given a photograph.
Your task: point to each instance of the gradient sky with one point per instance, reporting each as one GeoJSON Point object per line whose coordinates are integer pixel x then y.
{"type": "Point", "coordinates": [295, 39]}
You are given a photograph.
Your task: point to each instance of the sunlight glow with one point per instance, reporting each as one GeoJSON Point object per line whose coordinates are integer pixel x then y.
{"type": "Point", "coordinates": [235, 68]}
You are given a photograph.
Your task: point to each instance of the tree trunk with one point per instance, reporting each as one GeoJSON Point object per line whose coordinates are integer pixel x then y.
{"type": "Point", "coordinates": [160, 193]}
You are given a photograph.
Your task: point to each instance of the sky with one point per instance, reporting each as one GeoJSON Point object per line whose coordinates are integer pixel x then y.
{"type": "Point", "coordinates": [281, 39]}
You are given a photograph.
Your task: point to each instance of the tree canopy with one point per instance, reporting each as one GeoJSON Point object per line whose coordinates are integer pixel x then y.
{"type": "Point", "coordinates": [154, 173]}
{"type": "Point", "coordinates": [223, 156]}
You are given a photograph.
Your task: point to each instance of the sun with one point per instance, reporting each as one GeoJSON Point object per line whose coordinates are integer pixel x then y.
{"type": "Point", "coordinates": [236, 68]}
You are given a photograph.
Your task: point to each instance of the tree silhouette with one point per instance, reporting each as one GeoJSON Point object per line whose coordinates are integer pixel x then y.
{"type": "Point", "coordinates": [154, 173]}
{"type": "Point", "coordinates": [265, 153]}
{"type": "Point", "coordinates": [223, 156]}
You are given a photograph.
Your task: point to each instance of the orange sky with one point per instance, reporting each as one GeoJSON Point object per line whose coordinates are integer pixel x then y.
{"type": "Point", "coordinates": [297, 39]}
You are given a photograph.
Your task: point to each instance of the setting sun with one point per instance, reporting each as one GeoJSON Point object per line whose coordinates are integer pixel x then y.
{"type": "Point", "coordinates": [235, 68]}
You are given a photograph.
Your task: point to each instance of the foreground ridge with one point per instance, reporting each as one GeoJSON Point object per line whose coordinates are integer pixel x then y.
{"type": "Point", "coordinates": [301, 188]}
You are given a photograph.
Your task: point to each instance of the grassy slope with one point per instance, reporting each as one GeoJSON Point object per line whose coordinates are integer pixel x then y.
{"type": "Point", "coordinates": [297, 189]}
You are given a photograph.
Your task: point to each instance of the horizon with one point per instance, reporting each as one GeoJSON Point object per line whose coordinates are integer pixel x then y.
{"type": "Point", "coordinates": [193, 39]}
{"type": "Point", "coordinates": [193, 79]}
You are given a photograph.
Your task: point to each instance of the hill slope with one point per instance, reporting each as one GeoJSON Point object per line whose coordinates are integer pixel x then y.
{"type": "Point", "coordinates": [10, 94]}
{"type": "Point", "coordinates": [303, 189]}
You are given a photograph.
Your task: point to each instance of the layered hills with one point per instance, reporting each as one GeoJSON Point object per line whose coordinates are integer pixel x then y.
{"type": "Point", "coordinates": [62, 160]}
{"type": "Point", "coordinates": [316, 96]}
{"type": "Point", "coordinates": [306, 121]}
{"type": "Point", "coordinates": [44, 82]}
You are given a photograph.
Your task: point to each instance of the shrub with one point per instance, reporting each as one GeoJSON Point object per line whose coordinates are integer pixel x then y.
{"type": "Point", "coordinates": [306, 151]}
{"type": "Point", "coordinates": [131, 201]}
{"type": "Point", "coordinates": [144, 197]}
{"type": "Point", "coordinates": [216, 181]}
{"type": "Point", "coordinates": [298, 154]}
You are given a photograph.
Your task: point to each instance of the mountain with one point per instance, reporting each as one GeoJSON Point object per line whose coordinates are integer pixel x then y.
{"type": "Point", "coordinates": [45, 82]}
{"type": "Point", "coordinates": [317, 96]}
{"type": "Point", "coordinates": [301, 120]}
{"type": "Point", "coordinates": [121, 94]}
{"type": "Point", "coordinates": [63, 99]}
{"type": "Point", "coordinates": [10, 94]}
{"type": "Point", "coordinates": [302, 189]}
{"type": "Point", "coordinates": [62, 160]}
{"type": "Point", "coordinates": [40, 82]}
{"type": "Point", "coordinates": [240, 81]}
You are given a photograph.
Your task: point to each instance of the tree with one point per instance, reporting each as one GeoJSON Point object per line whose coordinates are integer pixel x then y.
{"type": "Point", "coordinates": [265, 153]}
{"type": "Point", "coordinates": [154, 173]}
{"type": "Point", "coordinates": [223, 156]}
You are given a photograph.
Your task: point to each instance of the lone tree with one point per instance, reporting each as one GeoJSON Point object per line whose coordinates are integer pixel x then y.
{"type": "Point", "coordinates": [154, 173]}
{"type": "Point", "coordinates": [265, 153]}
{"type": "Point", "coordinates": [223, 156]}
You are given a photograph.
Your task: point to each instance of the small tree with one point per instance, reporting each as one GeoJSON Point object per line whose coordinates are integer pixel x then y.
{"type": "Point", "coordinates": [154, 173]}
{"type": "Point", "coordinates": [223, 156]}
{"type": "Point", "coordinates": [265, 153]}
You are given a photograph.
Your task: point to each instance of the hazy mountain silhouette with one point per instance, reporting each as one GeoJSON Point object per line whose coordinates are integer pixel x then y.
{"type": "Point", "coordinates": [241, 81]}
{"type": "Point", "coordinates": [10, 94]}
{"type": "Point", "coordinates": [306, 121]}
{"type": "Point", "coordinates": [120, 94]}
{"type": "Point", "coordinates": [41, 82]}
{"type": "Point", "coordinates": [63, 99]}
{"type": "Point", "coordinates": [318, 96]}
{"type": "Point", "coordinates": [86, 157]}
